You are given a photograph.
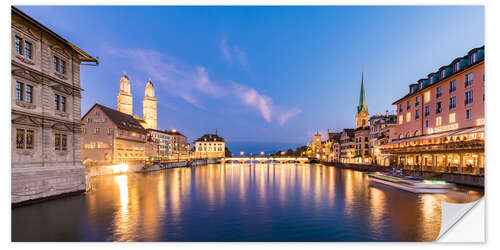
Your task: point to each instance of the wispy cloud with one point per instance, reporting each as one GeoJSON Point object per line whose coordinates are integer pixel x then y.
{"type": "Point", "coordinates": [226, 53]}
{"type": "Point", "coordinates": [284, 117]}
{"type": "Point", "coordinates": [192, 83]}
{"type": "Point", "coordinates": [242, 57]}
{"type": "Point", "coordinates": [229, 52]}
{"type": "Point", "coordinates": [251, 98]}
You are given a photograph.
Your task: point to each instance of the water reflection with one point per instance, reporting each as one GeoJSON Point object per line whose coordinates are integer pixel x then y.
{"type": "Point", "coordinates": [233, 202]}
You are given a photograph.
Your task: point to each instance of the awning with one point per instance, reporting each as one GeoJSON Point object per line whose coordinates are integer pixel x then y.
{"type": "Point", "coordinates": [440, 135]}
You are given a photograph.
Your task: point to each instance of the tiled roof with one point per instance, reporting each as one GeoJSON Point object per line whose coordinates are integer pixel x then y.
{"type": "Point", "coordinates": [122, 120]}
{"type": "Point", "coordinates": [210, 137]}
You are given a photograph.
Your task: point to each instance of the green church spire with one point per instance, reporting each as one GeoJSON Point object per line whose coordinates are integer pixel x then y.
{"type": "Point", "coordinates": [362, 99]}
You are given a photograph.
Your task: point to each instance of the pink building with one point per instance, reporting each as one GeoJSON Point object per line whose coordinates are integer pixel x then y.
{"type": "Point", "coordinates": [440, 123]}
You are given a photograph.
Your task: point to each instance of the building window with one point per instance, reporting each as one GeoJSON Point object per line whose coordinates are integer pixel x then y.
{"type": "Point", "coordinates": [56, 63]}
{"type": "Point", "coordinates": [427, 96]}
{"type": "Point", "coordinates": [24, 139]}
{"type": "Point", "coordinates": [56, 101]}
{"type": "Point", "coordinates": [19, 91]}
{"type": "Point", "coordinates": [97, 130]}
{"type": "Point", "coordinates": [468, 114]}
{"type": "Point", "coordinates": [63, 103]}
{"type": "Point", "coordinates": [84, 130]}
{"type": "Point", "coordinates": [453, 102]}
{"type": "Point", "coordinates": [57, 142]}
{"type": "Point", "coordinates": [469, 79]}
{"type": "Point", "coordinates": [29, 139]}
{"type": "Point", "coordinates": [61, 142]}
{"type": "Point", "coordinates": [438, 121]}
{"type": "Point", "coordinates": [457, 66]}
{"type": "Point", "coordinates": [417, 101]}
{"type": "Point", "coordinates": [408, 105]}
{"type": "Point", "coordinates": [64, 142]}
{"type": "Point", "coordinates": [27, 49]}
{"type": "Point", "coordinates": [468, 97]}
{"type": "Point", "coordinates": [417, 114]}
{"type": "Point", "coordinates": [20, 138]}
{"type": "Point", "coordinates": [438, 108]}
{"type": "Point", "coordinates": [62, 68]}
{"type": "Point", "coordinates": [439, 92]}
{"type": "Point", "coordinates": [452, 118]}
{"type": "Point", "coordinates": [453, 86]}
{"type": "Point", "coordinates": [426, 123]}
{"type": "Point", "coordinates": [474, 58]}
{"type": "Point", "coordinates": [443, 73]}
{"type": "Point", "coordinates": [29, 93]}
{"type": "Point", "coordinates": [408, 117]}
{"type": "Point", "coordinates": [18, 45]}
{"type": "Point", "coordinates": [400, 108]}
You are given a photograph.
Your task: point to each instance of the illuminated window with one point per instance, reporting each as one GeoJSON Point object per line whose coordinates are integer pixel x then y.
{"type": "Point", "coordinates": [427, 96]}
{"type": "Point", "coordinates": [408, 117]}
{"type": "Point", "coordinates": [452, 117]}
{"type": "Point", "coordinates": [400, 120]}
{"type": "Point", "coordinates": [438, 121]}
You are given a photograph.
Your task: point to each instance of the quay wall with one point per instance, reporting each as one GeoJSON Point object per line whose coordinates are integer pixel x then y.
{"type": "Point", "coordinates": [34, 184]}
{"type": "Point", "coordinates": [461, 179]}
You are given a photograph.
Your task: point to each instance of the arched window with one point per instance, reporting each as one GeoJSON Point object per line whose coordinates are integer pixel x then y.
{"type": "Point", "coordinates": [417, 133]}
{"type": "Point", "coordinates": [408, 134]}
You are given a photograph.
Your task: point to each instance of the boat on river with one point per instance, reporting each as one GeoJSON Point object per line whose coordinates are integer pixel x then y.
{"type": "Point", "coordinates": [412, 184]}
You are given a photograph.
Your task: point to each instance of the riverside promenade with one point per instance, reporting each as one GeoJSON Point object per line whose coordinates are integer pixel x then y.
{"type": "Point", "coordinates": [461, 179]}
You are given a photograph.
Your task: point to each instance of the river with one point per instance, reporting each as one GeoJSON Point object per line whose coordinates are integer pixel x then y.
{"type": "Point", "coordinates": [232, 202]}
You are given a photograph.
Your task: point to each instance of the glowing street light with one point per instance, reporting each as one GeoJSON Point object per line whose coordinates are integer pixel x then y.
{"type": "Point", "coordinates": [262, 153]}
{"type": "Point", "coordinates": [242, 153]}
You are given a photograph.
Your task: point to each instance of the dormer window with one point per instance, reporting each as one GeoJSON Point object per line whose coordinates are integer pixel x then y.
{"type": "Point", "coordinates": [473, 58]}
{"type": "Point", "coordinates": [443, 73]}
{"type": "Point", "coordinates": [457, 66]}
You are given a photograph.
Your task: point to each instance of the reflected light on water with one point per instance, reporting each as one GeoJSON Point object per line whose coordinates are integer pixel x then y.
{"type": "Point", "coordinates": [241, 202]}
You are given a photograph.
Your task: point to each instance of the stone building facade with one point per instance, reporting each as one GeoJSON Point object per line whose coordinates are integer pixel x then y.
{"type": "Point", "coordinates": [45, 111]}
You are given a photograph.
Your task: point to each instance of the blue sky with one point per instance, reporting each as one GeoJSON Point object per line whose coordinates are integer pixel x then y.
{"type": "Point", "coordinates": [265, 74]}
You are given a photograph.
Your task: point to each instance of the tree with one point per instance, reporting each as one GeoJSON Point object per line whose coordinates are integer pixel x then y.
{"type": "Point", "coordinates": [227, 152]}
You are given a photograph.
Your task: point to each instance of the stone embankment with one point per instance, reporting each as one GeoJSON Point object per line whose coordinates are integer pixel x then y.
{"type": "Point", "coordinates": [461, 179]}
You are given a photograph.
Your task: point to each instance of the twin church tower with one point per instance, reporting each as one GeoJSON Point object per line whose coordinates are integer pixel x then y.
{"type": "Point", "coordinates": [149, 105]}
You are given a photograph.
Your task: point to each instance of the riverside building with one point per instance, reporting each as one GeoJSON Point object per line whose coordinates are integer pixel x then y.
{"type": "Point", "coordinates": [380, 127]}
{"type": "Point", "coordinates": [441, 120]}
{"type": "Point", "coordinates": [45, 111]}
{"type": "Point", "coordinates": [110, 136]}
{"type": "Point", "coordinates": [210, 146]}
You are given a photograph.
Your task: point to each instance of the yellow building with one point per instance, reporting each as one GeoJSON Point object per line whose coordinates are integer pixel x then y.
{"type": "Point", "coordinates": [210, 146]}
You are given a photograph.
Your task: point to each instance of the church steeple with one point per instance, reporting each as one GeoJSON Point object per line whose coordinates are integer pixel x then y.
{"type": "Point", "coordinates": [362, 109]}
{"type": "Point", "coordinates": [362, 98]}
{"type": "Point", "coordinates": [124, 98]}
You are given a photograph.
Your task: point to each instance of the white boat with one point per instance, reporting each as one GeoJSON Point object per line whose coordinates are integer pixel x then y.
{"type": "Point", "coordinates": [413, 184]}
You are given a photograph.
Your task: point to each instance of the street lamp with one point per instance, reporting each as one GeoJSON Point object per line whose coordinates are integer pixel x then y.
{"type": "Point", "coordinates": [242, 153]}
{"type": "Point", "coordinates": [262, 153]}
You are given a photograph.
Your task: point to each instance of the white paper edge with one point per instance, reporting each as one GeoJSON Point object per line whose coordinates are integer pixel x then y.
{"type": "Point", "coordinates": [462, 222]}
